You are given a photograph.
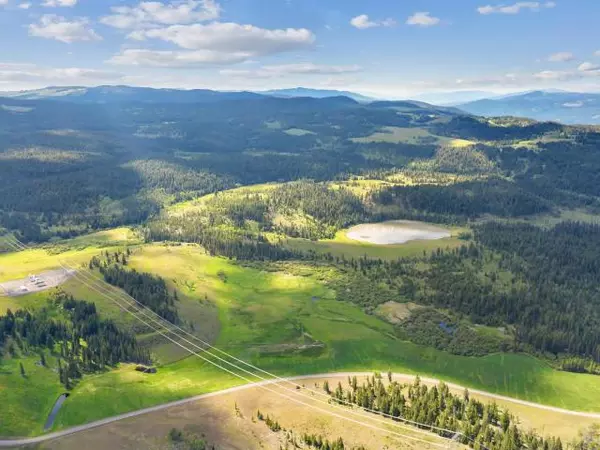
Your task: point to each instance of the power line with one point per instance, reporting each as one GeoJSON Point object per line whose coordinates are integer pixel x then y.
{"type": "Point", "coordinates": [100, 285]}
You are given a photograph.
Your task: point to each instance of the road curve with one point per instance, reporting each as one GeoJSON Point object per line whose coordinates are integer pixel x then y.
{"type": "Point", "coordinates": [98, 423]}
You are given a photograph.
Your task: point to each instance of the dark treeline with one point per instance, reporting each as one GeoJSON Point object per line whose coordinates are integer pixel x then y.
{"type": "Point", "coordinates": [217, 241]}
{"type": "Point", "coordinates": [463, 160]}
{"type": "Point", "coordinates": [150, 290]}
{"type": "Point", "coordinates": [469, 127]}
{"type": "Point", "coordinates": [312, 210]}
{"type": "Point", "coordinates": [335, 207]}
{"type": "Point", "coordinates": [463, 200]}
{"type": "Point", "coordinates": [480, 426]}
{"type": "Point", "coordinates": [550, 314]}
{"type": "Point", "coordinates": [84, 341]}
{"type": "Point", "coordinates": [233, 224]}
{"type": "Point", "coordinates": [558, 311]}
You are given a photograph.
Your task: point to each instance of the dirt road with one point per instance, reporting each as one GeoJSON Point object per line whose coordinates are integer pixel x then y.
{"type": "Point", "coordinates": [47, 437]}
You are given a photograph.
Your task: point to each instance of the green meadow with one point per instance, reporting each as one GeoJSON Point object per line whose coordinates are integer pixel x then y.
{"type": "Point", "coordinates": [283, 323]}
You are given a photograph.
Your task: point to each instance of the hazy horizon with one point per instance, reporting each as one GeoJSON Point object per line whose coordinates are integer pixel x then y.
{"type": "Point", "coordinates": [378, 49]}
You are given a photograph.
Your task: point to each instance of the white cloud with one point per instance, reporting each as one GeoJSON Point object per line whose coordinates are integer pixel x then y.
{"type": "Point", "coordinates": [515, 8]}
{"type": "Point", "coordinates": [589, 67]}
{"type": "Point", "coordinates": [59, 3]}
{"type": "Point", "coordinates": [3, 2]}
{"type": "Point", "coordinates": [151, 14]}
{"type": "Point", "coordinates": [59, 28]}
{"type": "Point", "coordinates": [174, 59]}
{"type": "Point", "coordinates": [552, 75]}
{"type": "Point", "coordinates": [363, 22]}
{"type": "Point", "coordinates": [423, 19]}
{"type": "Point", "coordinates": [561, 57]}
{"type": "Point", "coordinates": [24, 5]}
{"type": "Point", "coordinates": [597, 53]}
{"type": "Point", "coordinates": [21, 76]}
{"type": "Point", "coordinates": [278, 71]}
{"type": "Point", "coordinates": [231, 38]}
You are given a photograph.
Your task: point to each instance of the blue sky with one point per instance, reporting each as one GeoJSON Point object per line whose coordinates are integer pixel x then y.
{"type": "Point", "coordinates": [392, 48]}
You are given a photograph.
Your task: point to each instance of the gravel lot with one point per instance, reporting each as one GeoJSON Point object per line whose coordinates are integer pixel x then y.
{"type": "Point", "coordinates": [35, 282]}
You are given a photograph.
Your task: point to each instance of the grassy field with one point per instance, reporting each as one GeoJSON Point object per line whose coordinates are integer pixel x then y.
{"type": "Point", "coordinates": [398, 135]}
{"type": "Point", "coordinates": [27, 401]}
{"type": "Point", "coordinates": [229, 421]}
{"type": "Point", "coordinates": [258, 311]}
{"type": "Point", "coordinates": [73, 252]}
{"type": "Point", "coordinates": [268, 318]}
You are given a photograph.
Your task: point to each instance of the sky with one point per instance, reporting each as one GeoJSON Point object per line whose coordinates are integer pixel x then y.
{"type": "Point", "coordinates": [383, 48]}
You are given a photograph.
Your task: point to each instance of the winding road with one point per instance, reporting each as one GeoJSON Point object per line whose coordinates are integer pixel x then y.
{"type": "Point", "coordinates": [397, 376]}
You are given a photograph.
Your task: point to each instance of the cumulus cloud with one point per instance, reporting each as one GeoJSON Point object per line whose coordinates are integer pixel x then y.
{"type": "Point", "coordinates": [423, 19]}
{"type": "Point", "coordinates": [175, 58]}
{"type": "Point", "coordinates": [589, 67]}
{"type": "Point", "coordinates": [561, 57]}
{"type": "Point", "coordinates": [515, 8]}
{"type": "Point", "coordinates": [59, 3]}
{"type": "Point", "coordinates": [3, 2]}
{"type": "Point", "coordinates": [152, 14]}
{"type": "Point", "coordinates": [363, 22]}
{"type": "Point", "coordinates": [59, 28]}
{"type": "Point", "coordinates": [231, 38]}
{"type": "Point", "coordinates": [553, 75]}
{"type": "Point", "coordinates": [25, 5]}
{"type": "Point", "coordinates": [282, 70]}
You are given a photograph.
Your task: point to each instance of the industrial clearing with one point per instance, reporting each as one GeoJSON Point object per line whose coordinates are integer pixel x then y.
{"type": "Point", "coordinates": [35, 283]}
{"type": "Point", "coordinates": [396, 232]}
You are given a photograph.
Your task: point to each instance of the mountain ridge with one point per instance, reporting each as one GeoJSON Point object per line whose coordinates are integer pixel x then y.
{"type": "Point", "coordinates": [565, 107]}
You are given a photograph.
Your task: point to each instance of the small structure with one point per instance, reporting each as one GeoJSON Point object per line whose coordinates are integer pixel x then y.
{"type": "Point", "coordinates": [145, 369]}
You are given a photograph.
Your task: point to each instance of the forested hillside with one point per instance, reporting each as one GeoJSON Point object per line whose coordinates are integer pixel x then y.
{"type": "Point", "coordinates": [274, 183]}
{"type": "Point", "coordinates": [98, 165]}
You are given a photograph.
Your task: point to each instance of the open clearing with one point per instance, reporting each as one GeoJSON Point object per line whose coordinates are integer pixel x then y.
{"type": "Point", "coordinates": [396, 232]}
{"type": "Point", "coordinates": [417, 136]}
{"type": "Point", "coordinates": [395, 312]}
{"type": "Point", "coordinates": [245, 310]}
{"type": "Point", "coordinates": [298, 132]}
{"type": "Point", "coordinates": [216, 418]}
{"type": "Point", "coordinates": [36, 283]}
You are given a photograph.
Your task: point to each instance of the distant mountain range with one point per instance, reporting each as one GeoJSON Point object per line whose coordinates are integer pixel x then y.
{"type": "Point", "coordinates": [557, 106]}
{"type": "Point", "coordinates": [452, 98]}
{"type": "Point", "coordinates": [113, 94]}
{"type": "Point", "coordinates": [316, 93]}
{"type": "Point", "coordinates": [550, 105]}
{"type": "Point", "coordinates": [150, 95]}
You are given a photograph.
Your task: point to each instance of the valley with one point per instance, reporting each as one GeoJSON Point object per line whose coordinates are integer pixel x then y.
{"type": "Point", "coordinates": [303, 237]}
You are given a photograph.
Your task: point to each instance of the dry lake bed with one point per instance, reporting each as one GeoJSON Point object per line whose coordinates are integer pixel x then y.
{"type": "Point", "coordinates": [396, 232]}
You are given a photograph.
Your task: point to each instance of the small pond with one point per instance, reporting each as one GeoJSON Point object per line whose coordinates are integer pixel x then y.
{"type": "Point", "coordinates": [396, 232]}
{"type": "Point", "coordinates": [54, 412]}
